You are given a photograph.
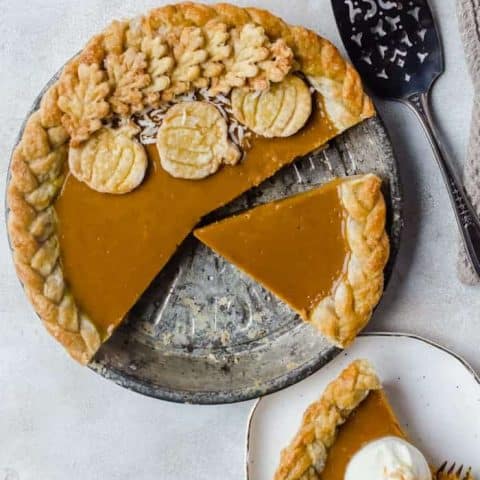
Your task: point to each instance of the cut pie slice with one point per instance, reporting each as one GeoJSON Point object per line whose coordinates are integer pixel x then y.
{"type": "Point", "coordinates": [322, 252]}
{"type": "Point", "coordinates": [352, 433]}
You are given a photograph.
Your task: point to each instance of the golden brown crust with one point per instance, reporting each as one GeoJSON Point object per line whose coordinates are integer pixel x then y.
{"type": "Point", "coordinates": [201, 125]}
{"type": "Point", "coordinates": [280, 111]}
{"type": "Point", "coordinates": [305, 457]}
{"type": "Point", "coordinates": [110, 161]}
{"type": "Point", "coordinates": [316, 57]}
{"type": "Point", "coordinates": [96, 82]}
{"type": "Point", "coordinates": [37, 175]}
{"type": "Point", "coordinates": [345, 312]}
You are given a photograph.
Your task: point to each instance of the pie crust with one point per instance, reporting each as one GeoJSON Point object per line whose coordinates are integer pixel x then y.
{"type": "Point", "coordinates": [333, 248]}
{"type": "Point", "coordinates": [306, 456]}
{"type": "Point", "coordinates": [341, 315]}
{"type": "Point", "coordinates": [110, 161]}
{"type": "Point", "coordinates": [353, 411]}
{"type": "Point", "coordinates": [202, 127]}
{"type": "Point", "coordinates": [280, 111]}
{"type": "Point", "coordinates": [130, 66]}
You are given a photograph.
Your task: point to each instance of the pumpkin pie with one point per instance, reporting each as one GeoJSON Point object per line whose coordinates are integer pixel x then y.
{"type": "Point", "coordinates": [158, 121]}
{"type": "Point", "coordinates": [322, 252]}
{"type": "Point", "coordinates": [352, 432]}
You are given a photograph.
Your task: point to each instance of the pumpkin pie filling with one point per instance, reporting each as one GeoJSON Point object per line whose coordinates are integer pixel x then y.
{"type": "Point", "coordinates": [371, 420]}
{"type": "Point", "coordinates": [315, 251]}
{"type": "Point", "coordinates": [112, 246]}
{"type": "Point", "coordinates": [352, 432]}
{"type": "Point", "coordinates": [295, 247]}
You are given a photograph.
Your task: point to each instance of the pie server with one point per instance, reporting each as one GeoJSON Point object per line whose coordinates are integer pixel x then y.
{"type": "Point", "coordinates": [396, 47]}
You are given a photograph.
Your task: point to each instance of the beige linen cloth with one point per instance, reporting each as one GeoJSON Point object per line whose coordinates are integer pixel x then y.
{"type": "Point", "coordinates": [468, 12]}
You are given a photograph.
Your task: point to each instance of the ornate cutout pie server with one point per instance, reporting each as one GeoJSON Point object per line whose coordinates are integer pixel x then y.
{"type": "Point", "coordinates": [396, 47]}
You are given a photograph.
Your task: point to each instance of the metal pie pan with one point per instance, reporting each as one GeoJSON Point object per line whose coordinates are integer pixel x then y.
{"type": "Point", "coordinates": [205, 333]}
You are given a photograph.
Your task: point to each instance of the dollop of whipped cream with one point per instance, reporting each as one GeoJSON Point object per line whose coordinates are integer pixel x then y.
{"type": "Point", "coordinates": [389, 458]}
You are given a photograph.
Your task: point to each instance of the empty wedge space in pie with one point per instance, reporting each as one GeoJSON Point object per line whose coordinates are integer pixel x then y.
{"type": "Point", "coordinates": [162, 120]}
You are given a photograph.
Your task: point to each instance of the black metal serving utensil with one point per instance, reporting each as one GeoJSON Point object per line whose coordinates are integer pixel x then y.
{"type": "Point", "coordinates": [396, 48]}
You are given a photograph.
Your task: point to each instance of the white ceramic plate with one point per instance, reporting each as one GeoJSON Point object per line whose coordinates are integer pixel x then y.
{"type": "Point", "coordinates": [435, 394]}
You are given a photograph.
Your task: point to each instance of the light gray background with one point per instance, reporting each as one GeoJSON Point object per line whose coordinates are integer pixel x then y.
{"type": "Point", "coordinates": [59, 420]}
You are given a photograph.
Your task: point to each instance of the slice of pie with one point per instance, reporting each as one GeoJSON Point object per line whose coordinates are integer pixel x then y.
{"type": "Point", "coordinates": [322, 252]}
{"type": "Point", "coordinates": [157, 122]}
{"type": "Point", "coordinates": [352, 433]}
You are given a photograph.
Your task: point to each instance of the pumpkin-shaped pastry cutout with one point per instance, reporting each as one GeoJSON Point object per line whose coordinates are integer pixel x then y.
{"type": "Point", "coordinates": [193, 141]}
{"type": "Point", "coordinates": [110, 161]}
{"type": "Point", "coordinates": [280, 111]}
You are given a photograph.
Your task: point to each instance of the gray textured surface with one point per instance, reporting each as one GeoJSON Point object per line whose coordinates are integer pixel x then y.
{"type": "Point", "coordinates": [468, 12]}
{"type": "Point", "coordinates": [58, 420]}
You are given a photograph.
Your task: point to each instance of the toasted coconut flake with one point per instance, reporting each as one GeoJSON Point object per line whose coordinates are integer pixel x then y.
{"type": "Point", "coordinates": [149, 120]}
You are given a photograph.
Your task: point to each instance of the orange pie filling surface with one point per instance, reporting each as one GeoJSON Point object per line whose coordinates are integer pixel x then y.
{"type": "Point", "coordinates": [373, 419]}
{"type": "Point", "coordinates": [295, 247]}
{"type": "Point", "coordinates": [112, 246]}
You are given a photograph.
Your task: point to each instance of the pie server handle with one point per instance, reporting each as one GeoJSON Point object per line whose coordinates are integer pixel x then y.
{"type": "Point", "coordinates": [465, 215]}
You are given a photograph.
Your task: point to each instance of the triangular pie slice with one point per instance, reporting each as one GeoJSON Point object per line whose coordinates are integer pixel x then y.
{"type": "Point", "coordinates": [352, 414]}
{"type": "Point", "coordinates": [322, 252]}
{"type": "Point", "coordinates": [99, 201]}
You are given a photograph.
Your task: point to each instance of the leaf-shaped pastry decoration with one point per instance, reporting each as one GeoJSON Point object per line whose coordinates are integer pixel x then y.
{"type": "Point", "coordinates": [160, 64]}
{"type": "Point", "coordinates": [249, 48]}
{"type": "Point", "coordinates": [278, 65]}
{"type": "Point", "coordinates": [188, 46]}
{"type": "Point", "coordinates": [193, 141]}
{"type": "Point", "coordinates": [127, 76]}
{"type": "Point", "coordinates": [114, 37]}
{"type": "Point", "coordinates": [218, 49]}
{"type": "Point", "coordinates": [278, 112]}
{"type": "Point", "coordinates": [81, 97]}
{"type": "Point", "coordinates": [111, 161]}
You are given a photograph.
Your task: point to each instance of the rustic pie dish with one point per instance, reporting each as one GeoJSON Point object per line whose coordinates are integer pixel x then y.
{"type": "Point", "coordinates": [159, 124]}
